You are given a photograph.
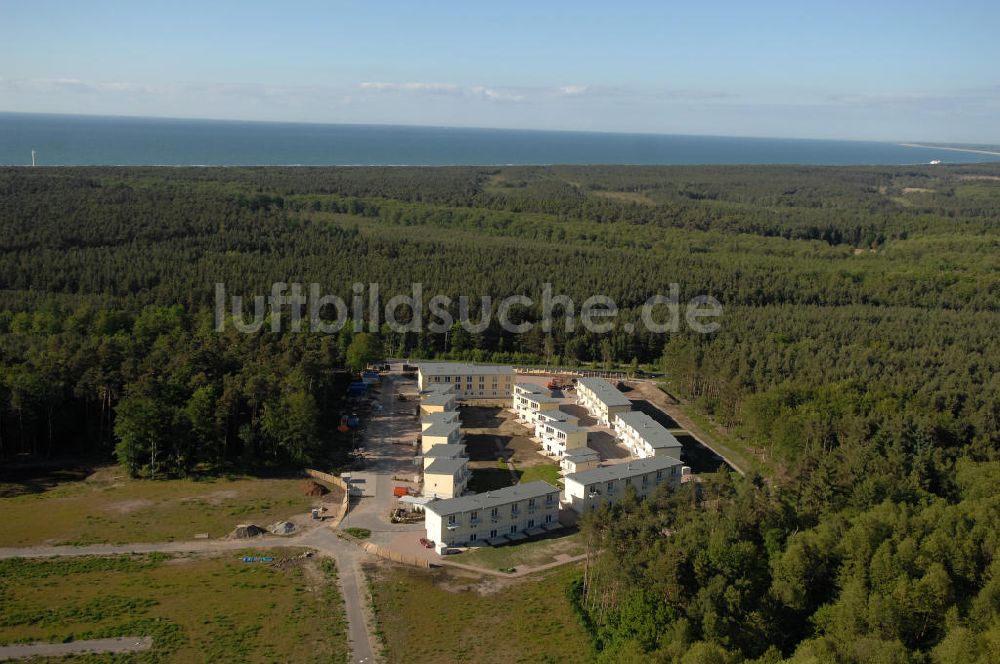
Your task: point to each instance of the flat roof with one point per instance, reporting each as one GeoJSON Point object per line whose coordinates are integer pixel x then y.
{"type": "Point", "coordinates": [443, 416]}
{"type": "Point", "coordinates": [558, 416]}
{"type": "Point", "coordinates": [440, 429]}
{"type": "Point", "coordinates": [581, 454]}
{"type": "Point", "coordinates": [651, 431]}
{"type": "Point", "coordinates": [445, 466]}
{"type": "Point", "coordinates": [564, 426]}
{"type": "Point", "coordinates": [605, 391]}
{"type": "Point", "coordinates": [440, 388]}
{"type": "Point", "coordinates": [620, 471]}
{"type": "Point", "coordinates": [491, 499]}
{"type": "Point", "coordinates": [539, 398]}
{"type": "Point", "coordinates": [533, 388]}
{"type": "Point", "coordinates": [461, 368]}
{"type": "Point", "coordinates": [449, 451]}
{"type": "Point", "coordinates": [438, 399]}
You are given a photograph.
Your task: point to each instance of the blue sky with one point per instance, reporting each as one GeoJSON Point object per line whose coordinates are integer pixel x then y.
{"type": "Point", "coordinates": [863, 70]}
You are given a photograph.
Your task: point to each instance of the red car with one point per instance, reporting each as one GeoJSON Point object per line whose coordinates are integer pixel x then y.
{"type": "Point", "coordinates": [426, 543]}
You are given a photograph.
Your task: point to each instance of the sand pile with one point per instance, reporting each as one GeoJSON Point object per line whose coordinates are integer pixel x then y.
{"type": "Point", "coordinates": [246, 531]}
{"type": "Point", "coordinates": [281, 528]}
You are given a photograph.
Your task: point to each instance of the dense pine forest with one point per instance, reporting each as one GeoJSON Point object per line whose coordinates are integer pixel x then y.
{"type": "Point", "coordinates": [858, 348]}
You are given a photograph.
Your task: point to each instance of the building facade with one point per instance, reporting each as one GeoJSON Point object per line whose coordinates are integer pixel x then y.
{"type": "Point", "coordinates": [508, 514]}
{"type": "Point", "coordinates": [446, 478]}
{"type": "Point", "coordinates": [530, 400]}
{"type": "Point", "coordinates": [579, 459]}
{"type": "Point", "coordinates": [589, 489]}
{"type": "Point", "coordinates": [444, 452]}
{"type": "Point", "coordinates": [644, 436]}
{"type": "Point", "coordinates": [437, 402]}
{"type": "Point", "coordinates": [440, 433]}
{"type": "Point", "coordinates": [470, 381]}
{"type": "Point", "coordinates": [558, 436]}
{"type": "Point", "coordinates": [601, 399]}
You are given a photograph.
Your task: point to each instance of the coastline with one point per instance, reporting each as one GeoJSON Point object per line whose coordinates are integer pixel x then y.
{"type": "Point", "coordinates": [995, 153]}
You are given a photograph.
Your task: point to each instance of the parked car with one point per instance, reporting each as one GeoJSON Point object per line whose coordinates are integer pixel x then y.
{"type": "Point", "coordinates": [426, 543]}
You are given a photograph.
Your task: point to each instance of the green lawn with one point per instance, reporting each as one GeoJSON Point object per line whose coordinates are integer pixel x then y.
{"type": "Point", "coordinates": [530, 554]}
{"type": "Point", "coordinates": [194, 608]}
{"type": "Point", "coordinates": [433, 617]}
{"type": "Point", "coordinates": [489, 479]}
{"type": "Point", "coordinates": [109, 508]}
{"type": "Point", "coordinates": [548, 472]}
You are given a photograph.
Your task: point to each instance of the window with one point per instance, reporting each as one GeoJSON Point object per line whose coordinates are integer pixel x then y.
{"type": "Point", "coordinates": [451, 520]}
{"type": "Point", "coordinates": [611, 486]}
{"type": "Point", "coordinates": [494, 512]}
{"type": "Point", "coordinates": [473, 537]}
{"type": "Point", "coordinates": [493, 533]}
{"type": "Point", "coordinates": [513, 509]}
{"type": "Point", "coordinates": [531, 523]}
{"type": "Point", "coordinates": [531, 502]}
{"type": "Point", "coordinates": [513, 528]}
{"type": "Point", "coordinates": [548, 499]}
{"type": "Point", "coordinates": [659, 474]}
{"type": "Point", "coordinates": [473, 516]}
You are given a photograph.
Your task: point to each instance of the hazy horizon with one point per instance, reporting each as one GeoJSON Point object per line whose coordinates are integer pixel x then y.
{"type": "Point", "coordinates": [124, 116]}
{"type": "Point", "coordinates": [893, 71]}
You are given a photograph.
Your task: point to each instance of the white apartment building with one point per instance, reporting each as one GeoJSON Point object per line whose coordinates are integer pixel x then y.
{"type": "Point", "coordinates": [558, 436]}
{"type": "Point", "coordinates": [446, 478]}
{"type": "Point", "coordinates": [470, 381]}
{"type": "Point", "coordinates": [530, 400]}
{"type": "Point", "coordinates": [601, 399]}
{"type": "Point", "coordinates": [579, 459]}
{"type": "Point", "coordinates": [440, 433]}
{"type": "Point", "coordinates": [644, 436]}
{"type": "Point", "coordinates": [443, 452]}
{"type": "Point", "coordinates": [442, 417]}
{"type": "Point", "coordinates": [588, 489]}
{"type": "Point", "coordinates": [495, 517]}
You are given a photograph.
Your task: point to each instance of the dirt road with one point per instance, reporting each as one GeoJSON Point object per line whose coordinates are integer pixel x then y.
{"type": "Point", "coordinates": [655, 396]}
{"type": "Point", "coordinates": [119, 645]}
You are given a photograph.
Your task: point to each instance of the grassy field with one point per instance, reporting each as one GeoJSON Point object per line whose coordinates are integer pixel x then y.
{"type": "Point", "coordinates": [106, 507]}
{"type": "Point", "coordinates": [529, 554]}
{"type": "Point", "coordinates": [440, 617]}
{"type": "Point", "coordinates": [195, 608]}
{"type": "Point", "coordinates": [543, 471]}
{"type": "Point", "coordinates": [489, 479]}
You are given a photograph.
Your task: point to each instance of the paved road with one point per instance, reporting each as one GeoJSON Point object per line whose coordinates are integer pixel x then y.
{"type": "Point", "coordinates": [118, 645]}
